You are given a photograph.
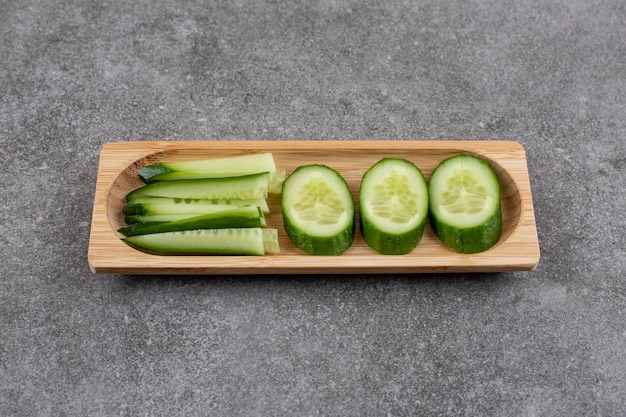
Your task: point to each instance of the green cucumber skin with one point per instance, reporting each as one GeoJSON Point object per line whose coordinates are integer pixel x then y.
{"type": "Point", "coordinates": [320, 245]}
{"type": "Point", "coordinates": [253, 186]}
{"type": "Point", "coordinates": [472, 239]}
{"type": "Point", "coordinates": [249, 217]}
{"type": "Point", "coordinates": [391, 243]}
{"type": "Point", "coordinates": [152, 172]}
{"type": "Point", "coordinates": [240, 241]}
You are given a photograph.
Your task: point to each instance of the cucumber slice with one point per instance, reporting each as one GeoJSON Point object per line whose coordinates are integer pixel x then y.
{"type": "Point", "coordinates": [249, 216]}
{"type": "Point", "coordinates": [393, 206]}
{"type": "Point", "coordinates": [253, 186]}
{"type": "Point", "coordinates": [465, 204]}
{"type": "Point", "coordinates": [232, 166]}
{"type": "Point", "coordinates": [318, 210]}
{"type": "Point", "coordinates": [163, 205]}
{"type": "Point", "coordinates": [237, 241]}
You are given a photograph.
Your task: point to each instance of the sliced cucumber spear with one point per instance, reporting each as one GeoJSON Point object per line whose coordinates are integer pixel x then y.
{"type": "Point", "coordinates": [393, 206]}
{"type": "Point", "coordinates": [249, 216]}
{"type": "Point", "coordinates": [253, 186]}
{"type": "Point", "coordinates": [465, 206]}
{"type": "Point", "coordinates": [232, 166]}
{"type": "Point", "coordinates": [148, 205]}
{"type": "Point", "coordinates": [162, 218]}
{"type": "Point", "coordinates": [156, 218]}
{"type": "Point", "coordinates": [318, 210]}
{"type": "Point", "coordinates": [237, 241]}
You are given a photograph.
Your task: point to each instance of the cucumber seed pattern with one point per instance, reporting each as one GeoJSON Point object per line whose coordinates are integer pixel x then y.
{"type": "Point", "coordinates": [464, 193]}
{"type": "Point", "coordinates": [392, 199]}
{"type": "Point", "coordinates": [317, 202]}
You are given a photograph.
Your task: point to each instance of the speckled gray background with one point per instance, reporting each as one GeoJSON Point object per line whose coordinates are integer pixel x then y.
{"type": "Point", "coordinates": [549, 74]}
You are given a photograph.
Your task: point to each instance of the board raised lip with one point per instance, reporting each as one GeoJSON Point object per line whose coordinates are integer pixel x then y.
{"type": "Point", "coordinates": [518, 252]}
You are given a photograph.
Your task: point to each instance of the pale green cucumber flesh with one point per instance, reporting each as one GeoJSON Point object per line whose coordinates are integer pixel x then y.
{"type": "Point", "coordinates": [232, 166]}
{"type": "Point", "coordinates": [233, 241]}
{"type": "Point", "coordinates": [162, 218]}
{"type": "Point", "coordinates": [156, 218]}
{"type": "Point", "coordinates": [245, 187]}
{"type": "Point", "coordinates": [318, 210]}
{"type": "Point", "coordinates": [166, 205]}
{"type": "Point", "coordinates": [249, 216]}
{"type": "Point", "coordinates": [270, 241]}
{"type": "Point", "coordinates": [465, 207]}
{"type": "Point", "coordinates": [393, 206]}
{"type": "Point", "coordinates": [276, 181]}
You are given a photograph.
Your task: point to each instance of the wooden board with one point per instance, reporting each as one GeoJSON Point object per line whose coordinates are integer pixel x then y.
{"type": "Point", "coordinates": [517, 250]}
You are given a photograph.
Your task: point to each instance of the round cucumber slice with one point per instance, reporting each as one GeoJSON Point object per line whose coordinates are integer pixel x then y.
{"type": "Point", "coordinates": [393, 206]}
{"type": "Point", "coordinates": [318, 210]}
{"type": "Point", "coordinates": [465, 204]}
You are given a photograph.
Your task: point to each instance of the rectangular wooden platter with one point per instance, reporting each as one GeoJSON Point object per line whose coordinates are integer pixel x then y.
{"type": "Point", "coordinates": [517, 250]}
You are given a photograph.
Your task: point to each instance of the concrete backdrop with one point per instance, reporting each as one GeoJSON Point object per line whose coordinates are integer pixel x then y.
{"type": "Point", "coordinates": [75, 75]}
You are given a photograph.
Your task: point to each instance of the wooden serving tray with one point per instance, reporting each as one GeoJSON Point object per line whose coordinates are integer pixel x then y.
{"type": "Point", "coordinates": [517, 250]}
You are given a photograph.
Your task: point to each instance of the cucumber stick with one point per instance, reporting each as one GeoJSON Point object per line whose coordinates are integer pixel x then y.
{"type": "Point", "coordinates": [232, 166]}
{"type": "Point", "coordinates": [163, 218]}
{"type": "Point", "coordinates": [318, 210]}
{"type": "Point", "coordinates": [248, 216]}
{"type": "Point", "coordinates": [156, 218]}
{"type": "Point", "coordinates": [393, 206]}
{"type": "Point", "coordinates": [252, 186]}
{"type": "Point", "coordinates": [232, 241]}
{"type": "Point", "coordinates": [148, 205]}
{"type": "Point", "coordinates": [465, 206]}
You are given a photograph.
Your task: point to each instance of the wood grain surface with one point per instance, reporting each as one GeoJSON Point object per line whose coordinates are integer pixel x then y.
{"type": "Point", "coordinates": [517, 250]}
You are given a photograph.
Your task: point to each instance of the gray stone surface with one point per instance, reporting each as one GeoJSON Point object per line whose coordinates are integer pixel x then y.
{"type": "Point", "coordinates": [75, 75]}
